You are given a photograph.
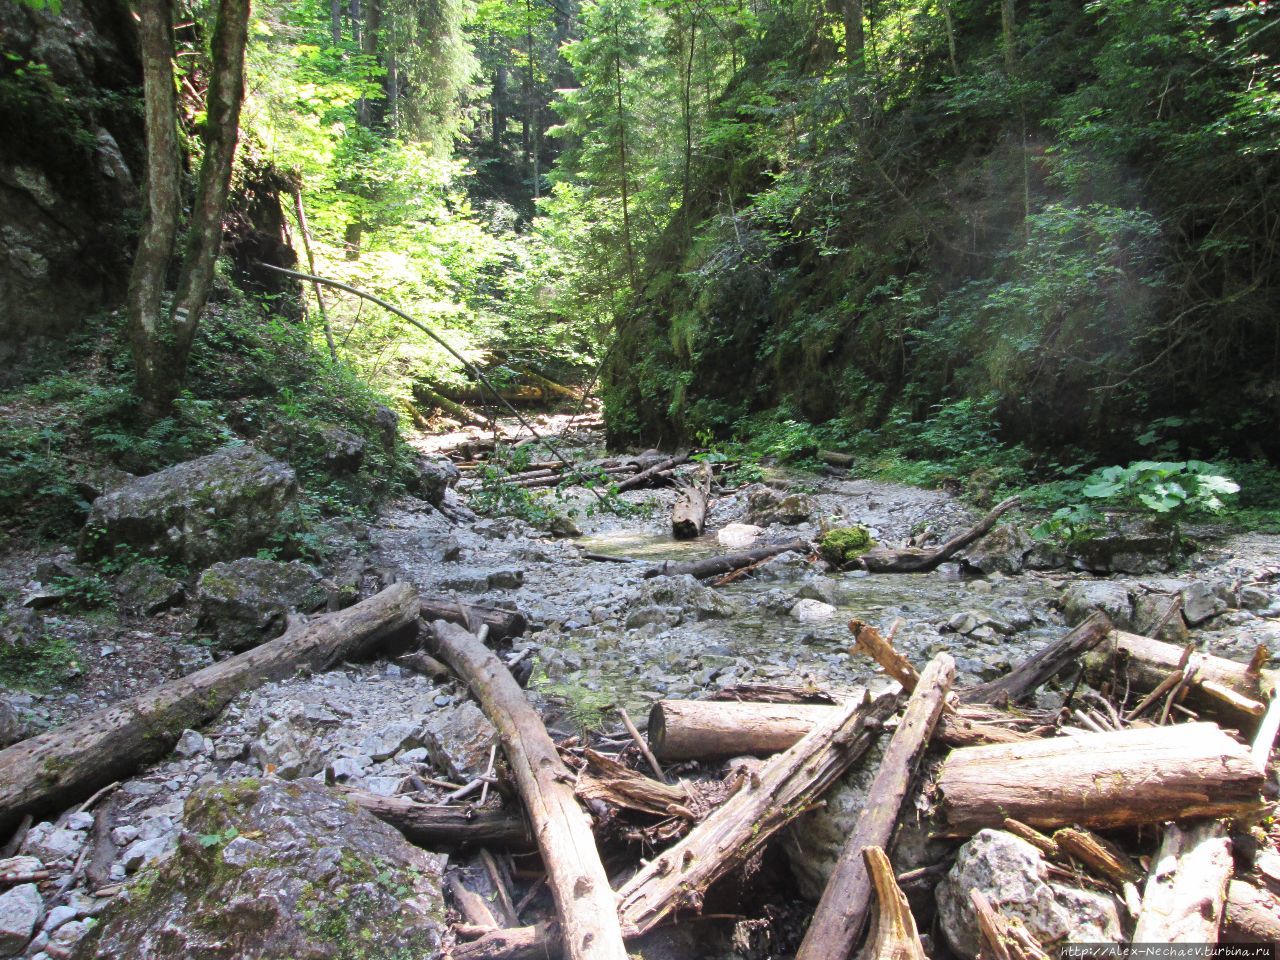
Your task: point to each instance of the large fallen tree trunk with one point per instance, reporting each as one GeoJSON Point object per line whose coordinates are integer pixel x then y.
{"type": "Point", "coordinates": [502, 624]}
{"type": "Point", "coordinates": [435, 826]}
{"type": "Point", "coordinates": [689, 512]}
{"type": "Point", "coordinates": [1100, 780]}
{"type": "Point", "coordinates": [1042, 666]}
{"type": "Point", "coordinates": [584, 900]}
{"type": "Point", "coordinates": [1187, 886]}
{"type": "Point", "coordinates": [69, 763]}
{"type": "Point", "coordinates": [726, 563]}
{"type": "Point", "coordinates": [428, 397]}
{"type": "Point", "coordinates": [677, 878]}
{"type": "Point", "coordinates": [837, 923]}
{"type": "Point", "coordinates": [650, 475]}
{"type": "Point", "coordinates": [916, 560]}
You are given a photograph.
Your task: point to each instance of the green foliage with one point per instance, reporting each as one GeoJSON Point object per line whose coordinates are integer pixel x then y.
{"type": "Point", "coordinates": [36, 663]}
{"type": "Point", "coordinates": [1168, 491]}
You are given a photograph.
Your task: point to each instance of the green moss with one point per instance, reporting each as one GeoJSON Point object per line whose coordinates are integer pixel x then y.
{"type": "Point", "coordinates": [843, 545]}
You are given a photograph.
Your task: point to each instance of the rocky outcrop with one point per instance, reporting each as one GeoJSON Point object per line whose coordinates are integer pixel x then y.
{"type": "Point", "coordinates": [766, 506]}
{"type": "Point", "coordinates": [248, 601]}
{"type": "Point", "coordinates": [218, 507]}
{"type": "Point", "coordinates": [266, 869]}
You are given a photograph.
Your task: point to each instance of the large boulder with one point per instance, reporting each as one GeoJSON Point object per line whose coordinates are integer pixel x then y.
{"type": "Point", "coordinates": [266, 869]}
{"type": "Point", "coordinates": [1005, 549]}
{"type": "Point", "coordinates": [430, 478]}
{"type": "Point", "coordinates": [1128, 548]}
{"type": "Point", "coordinates": [766, 506]}
{"type": "Point", "coordinates": [218, 507]}
{"type": "Point", "coordinates": [1015, 878]}
{"type": "Point", "coordinates": [248, 601]}
{"type": "Point", "coordinates": [1110, 596]}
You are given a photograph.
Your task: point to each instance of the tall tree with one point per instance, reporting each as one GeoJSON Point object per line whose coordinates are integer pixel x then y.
{"type": "Point", "coordinates": [162, 338]}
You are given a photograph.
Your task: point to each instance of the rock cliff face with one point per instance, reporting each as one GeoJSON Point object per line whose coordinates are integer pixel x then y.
{"type": "Point", "coordinates": [71, 164]}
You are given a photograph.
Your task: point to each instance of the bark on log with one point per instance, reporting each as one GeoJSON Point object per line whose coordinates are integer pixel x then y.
{"type": "Point", "coordinates": [69, 763]}
{"type": "Point", "coordinates": [894, 936]}
{"type": "Point", "coordinates": [689, 512]}
{"type": "Point", "coordinates": [502, 624]}
{"type": "Point", "coordinates": [1035, 670]}
{"type": "Point", "coordinates": [915, 560]}
{"type": "Point", "coordinates": [584, 900]}
{"type": "Point", "coordinates": [1100, 780]}
{"type": "Point", "coordinates": [1187, 886]}
{"type": "Point", "coordinates": [726, 563]}
{"type": "Point", "coordinates": [433, 826]}
{"type": "Point", "coordinates": [651, 474]}
{"type": "Point", "coordinates": [870, 641]}
{"type": "Point", "coordinates": [837, 923]}
{"type": "Point", "coordinates": [1251, 915]}
{"type": "Point", "coordinates": [782, 789]}
{"type": "Point", "coordinates": [425, 395]}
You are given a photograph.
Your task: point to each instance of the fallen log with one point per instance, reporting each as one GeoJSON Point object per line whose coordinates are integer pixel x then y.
{"type": "Point", "coordinates": [833, 459]}
{"type": "Point", "coordinates": [584, 901]}
{"type": "Point", "coordinates": [428, 397]}
{"type": "Point", "coordinates": [1251, 915]}
{"type": "Point", "coordinates": [502, 624]}
{"type": "Point", "coordinates": [436, 826]}
{"type": "Point", "coordinates": [1100, 780]}
{"type": "Point", "coordinates": [917, 560]}
{"type": "Point", "coordinates": [725, 563]}
{"type": "Point", "coordinates": [894, 936]}
{"type": "Point", "coordinates": [648, 476]}
{"type": "Point", "coordinates": [677, 878]}
{"type": "Point", "coordinates": [1040, 667]}
{"type": "Point", "coordinates": [689, 512]}
{"type": "Point", "coordinates": [837, 923]}
{"type": "Point", "coordinates": [1186, 886]}
{"type": "Point", "coordinates": [57, 768]}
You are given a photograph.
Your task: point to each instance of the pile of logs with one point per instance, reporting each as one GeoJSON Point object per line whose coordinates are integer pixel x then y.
{"type": "Point", "coordinates": [624, 475]}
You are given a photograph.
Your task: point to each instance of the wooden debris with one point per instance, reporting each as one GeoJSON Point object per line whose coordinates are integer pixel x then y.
{"type": "Point", "coordinates": [1265, 737]}
{"type": "Point", "coordinates": [689, 512]}
{"type": "Point", "coordinates": [1251, 915]}
{"type": "Point", "coordinates": [652, 474]}
{"type": "Point", "coordinates": [1003, 939]}
{"type": "Point", "coordinates": [868, 640]}
{"type": "Point", "coordinates": [916, 560]}
{"type": "Point", "coordinates": [1098, 854]}
{"type": "Point", "coordinates": [1044, 844]}
{"type": "Point", "coordinates": [503, 624]}
{"type": "Point", "coordinates": [1043, 665]}
{"type": "Point", "coordinates": [471, 905]}
{"type": "Point", "coordinates": [434, 826]}
{"type": "Point", "coordinates": [70, 762]}
{"type": "Point", "coordinates": [1186, 886]}
{"type": "Point", "coordinates": [618, 785]}
{"type": "Point", "coordinates": [584, 900]}
{"type": "Point", "coordinates": [837, 923]}
{"type": "Point", "coordinates": [640, 742]}
{"type": "Point", "coordinates": [893, 933]}
{"type": "Point", "coordinates": [714, 566]}
{"type": "Point", "coordinates": [1100, 780]}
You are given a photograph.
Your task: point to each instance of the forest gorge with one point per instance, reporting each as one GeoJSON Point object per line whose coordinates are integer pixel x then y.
{"type": "Point", "coordinates": [666, 478]}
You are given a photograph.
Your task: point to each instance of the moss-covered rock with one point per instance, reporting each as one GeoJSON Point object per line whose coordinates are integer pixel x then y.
{"type": "Point", "coordinates": [248, 601]}
{"type": "Point", "coordinates": [267, 870]}
{"type": "Point", "coordinates": [841, 546]}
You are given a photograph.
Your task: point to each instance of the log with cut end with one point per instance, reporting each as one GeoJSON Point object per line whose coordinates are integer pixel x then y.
{"type": "Point", "coordinates": [69, 763]}
{"type": "Point", "coordinates": [1186, 886]}
{"type": "Point", "coordinates": [579, 886]}
{"type": "Point", "coordinates": [1251, 915]}
{"type": "Point", "coordinates": [915, 560]}
{"type": "Point", "coordinates": [689, 512]}
{"type": "Point", "coordinates": [433, 826]}
{"type": "Point", "coordinates": [837, 923]}
{"type": "Point", "coordinates": [502, 624]}
{"type": "Point", "coordinates": [1100, 780]}
{"type": "Point", "coordinates": [725, 563]}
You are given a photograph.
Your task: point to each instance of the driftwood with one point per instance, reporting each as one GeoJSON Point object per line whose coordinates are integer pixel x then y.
{"type": "Point", "coordinates": [1251, 915]}
{"type": "Point", "coordinates": [725, 563]}
{"type": "Point", "coordinates": [1100, 780]}
{"type": "Point", "coordinates": [1035, 670]}
{"type": "Point", "coordinates": [436, 826]}
{"type": "Point", "coordinates": [502, 624]}
{"type": "Point", "coordinates": [648, 476]}
{"type": "Point", "coordinates": [868, 640]}
{"type": "Point", "coordinates": [689, 512]}
{"type": "Point", "coordinates": [1187, 885]}
{"type": "Point", "coordinates": [1098, 854]}
{"type": "Point", "coordinates": [584, 901]}
{"type": "Point", "coordinates": [677, 878]}
{"type": "Point", "coordinates": [916, 560]}
{"type": "Point", "coordinates": [612, 783]}
{"type": "Point", "coordinates": [66, 764]}
{"type": "Point", "coordinates": [893, 934]}
{"type": "Point", "coordinates": [1265, 738]}
{"type": "Point", "coordinates": [837, 923]}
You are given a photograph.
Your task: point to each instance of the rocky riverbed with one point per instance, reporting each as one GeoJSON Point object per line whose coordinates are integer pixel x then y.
{"type": "Point", "coordinates": [238, 830]}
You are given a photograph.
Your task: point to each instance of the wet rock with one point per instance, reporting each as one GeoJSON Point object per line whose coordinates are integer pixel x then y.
{"type": "Point", "coordinates": [820, 588]}
{"type": "Point", "coordinates": [694, 600]}
{"type": "Point", "coordinates": [431, 477]}
{"type": "Point", "coordinates": [766, 506]}
{"type": "Point", "coordinates": [1136, 550]}
{"type": "Point", "coordinates": [458, 738]}
{"type": "Point", "coordinates": [20, 908]}
{"type": "Point", "coordinates": [738, 536]}
{"type": "Point", "coordinates": [812, 611]}
{"type": "Point", "coordinates": [1003, 550]}
{"type": "Point", "coordinates": [343, 449]}
{"type": "Point", "coordinates": [218, 507]}
{"type": "Point", "coordinates": [147, 590]}
{"type": "Point", "coordinates": [1109, 596]}
{"type": "Point", "coordinates": [314, 877]}
{"type": "Point", "coordinates": [1014, 877]}
{"type": "Point", "coordinates": [247, 601]}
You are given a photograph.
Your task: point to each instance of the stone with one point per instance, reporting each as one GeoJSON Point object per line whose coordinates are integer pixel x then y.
{"type": "Point", "coordinates": [349, 768]}
{"type": "Point", "coordinates": [193, 744]}
{"type": "Point", "coordinates": [57, 917]}
{"type": "Point", "coordinates": [843, 546]}
{"type": "Point", "coordinates": [247, 602]}
{"type": "Point", "coordinates": [63, 942]}
{"type": "Point", "coordinates": [124, 835]}
{"type": "Point", "coordinates": [325, 879]}
{"type": "Point", "coordinates": [766, 506]}
{"type": "Point", "coordinates": [218, 507]}
{"type": "Point", "coordinates": [820, 588]}
{"type": "Point", "coordinates": [738, 536]}
{"type": "Point", "coordinates": [430, 478]}
{"type": "Point", "coordinates": [694, 600]}
{"type": "Point", "coordinates": [561, 526]}
{"type": "Point", "coordinates": [20, 909]}
{"type": "Point", "coordinates": [505, 579]}
{"type": "Point", "coordinates": [343, 449]}
{"type": "Point", "coordinates": [1004, 550]}
{"type": "Point", "coordinates": [1150, 609]}
{"type": "Point", "coordinates": [51, 843]}
{"type": "Point", "coordinates": [141, 852]}
{"type": "Point", "coordinates": [1132, 549]}
{"type": "Point", "coordinates": [12, 727]}
{"type": "Point", "coordinates": [812, 611]}
{"type": "Point", "coordinates": [458, 738]}
{"type": "Point", "coordinates": [385, 743]}
{"type": "Point", "coordinates": [146, 590]}
{"type": "Point", "coordinates": [80, 820]}
{"type": "Point", "coordinates": [1110, 596]}
{"type": "Point", "coordinates": [1015, 878]}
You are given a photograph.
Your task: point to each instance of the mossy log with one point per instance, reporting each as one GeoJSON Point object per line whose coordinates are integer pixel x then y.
{"type": "Point", "coordinates": [423, 394]}
{"type": "Point", "coordinates": [54, 769]}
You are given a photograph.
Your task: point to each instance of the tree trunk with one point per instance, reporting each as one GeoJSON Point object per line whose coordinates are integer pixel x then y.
{"type": "Point", "coordinates": [915, 560]}
{"type": "Point", "coordinates": [433, 826]}
{"type": "Point", "coordinates": [584, 900]}
{"type": "Point", "coordinates": [837, 923]}
{"type": "Point", "coordinates": [498, 102]}
{"type": "Point", "coordinates": [1187, 886]}
{"type": "Point", "coordinates": [726, 563]}
{"type": "Point", "coordinates": [502, 624]}
{"type": "Point", "coordinates": [1042, 666]}
{"type": "Point", "coordinates": [56, 768]}
{"type": "Point", "coordinates": [651, 473]}
{"type": "Point", "coordinates": [689, 512]}
{"type": "Point", "coordinates": [1100, 780]}
{"type": "Point", "coordinates": [305, 231]}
